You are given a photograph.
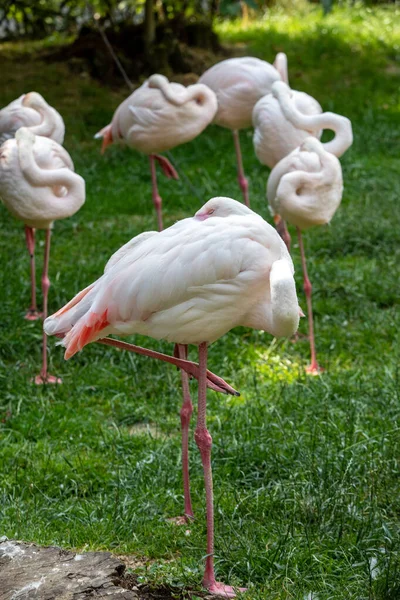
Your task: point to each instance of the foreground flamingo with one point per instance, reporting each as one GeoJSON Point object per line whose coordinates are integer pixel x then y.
{"type": "Point", "coordinates": [157, 117]}
{"type": "Point", "coordinates": [38, 186]}
{"type": "Point", "coordinates": [190, 284]}
{"type": "Point", "coordinates": [284, 119]}
{"type": "Point", "coordinates": [239, 83]}
{"type": "Point", "coordinates": [306, 188]}
{"type": "Point", "coordinates": [32, 111]}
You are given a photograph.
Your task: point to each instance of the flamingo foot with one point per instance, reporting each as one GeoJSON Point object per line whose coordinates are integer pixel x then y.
{"type": "Point", "coordinates": [182, 520]}
{"type": "Point", "coordinates": [314, 369]}
{"type": "Point", "coordinates": [33, 315]}
{"type": "Point", "coordinates": [168, 170]}
{"type": "Point", "coordinates": [47, 379]}
{"type": "Point", "coordinates": [225, 591]}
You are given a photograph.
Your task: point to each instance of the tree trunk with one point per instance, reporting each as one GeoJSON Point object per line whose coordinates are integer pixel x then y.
{"type": "Point", "coordinates": [149, 25]}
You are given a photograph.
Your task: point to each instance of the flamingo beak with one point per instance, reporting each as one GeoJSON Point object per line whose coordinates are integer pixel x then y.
{"type": "Point", "coordinates": [301, 312]}
{"type": "Point", "coordinates": [201, 216]}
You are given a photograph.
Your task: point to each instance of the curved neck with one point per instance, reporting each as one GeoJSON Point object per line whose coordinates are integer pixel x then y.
{"type": "Point", "coordinates": [38, 177]}
{"type": "Point", "coordinates": [198, 91]}
{"type": "Point", "coordinates": [50, 119]}
{"type": "Point", "coordinates": [281, 65]}
{"type": "Point", "coordinates": [284, 303]}
{"type": "Point", "coordinates": [314, 123]}
{"type": "Point", "coordinates": [278, 314]}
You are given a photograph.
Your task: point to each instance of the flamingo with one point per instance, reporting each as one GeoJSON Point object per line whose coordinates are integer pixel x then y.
{"type": "Point", "coordinates": [283, 119]}
{"type": "Point", "coordinates": [38, 186]}
{"type": "Point", "coordinates": [190, 284]}
{"type": "Point", "coordinates": [239, 83]}
{"type": "Point", "coordinates": [306, 188]}
{"type": "Point", "coordinates": [157, 117]}
{"type": "Point", "coordinates": [32, 111]}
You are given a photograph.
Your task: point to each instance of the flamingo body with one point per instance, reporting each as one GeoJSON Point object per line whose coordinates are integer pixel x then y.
{"type": "Point", "coordinates": [37, 182]}
{"type": "Point", "coordinates": [306, 186]}
{"type": "Point", "coordinates": [238, 84]}
{"type": "Point", "coordinates": [32, 111]}
{"type": "Point", "coordinates": [192, 282]}
{"type": "Point", "coordinates": [161, 115]}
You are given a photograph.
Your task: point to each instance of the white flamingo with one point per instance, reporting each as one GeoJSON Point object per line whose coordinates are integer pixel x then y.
{"type": "Point", "coordinates": [32, 111]}
{"type": "Point", "coordinates": [157, 117]}
{"type": "Point", "coordinates": [284, 119]}
{"type": "Point", "coordinates": [306, 188]}
{"type": "Point", "coordinates": [190, 284]}
{"type": "Point", "coordinates": [38, 186]}
{"type": "Point", "coordinates": [239, 83]}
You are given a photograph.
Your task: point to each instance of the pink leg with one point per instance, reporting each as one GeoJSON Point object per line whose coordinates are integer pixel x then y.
{"type": "Point", "coordinates": [204, 442]}
{"type": "Point", "coordinates": [186, 413]}
{"type": "Point", "coordinates": [44, 377]}
{"type": "Point", "coordinates": [282, 229]}
{"type": "Point", "coordinates": [313, 368]}
{"type": "Point", "coordinates": [167, 167]}
{"type": "Point", "coordinates": [156, 197]}
{"type": "Point", "coordinates": [244, 185]}
{"type": "Point", "coordinates": [32, 314]}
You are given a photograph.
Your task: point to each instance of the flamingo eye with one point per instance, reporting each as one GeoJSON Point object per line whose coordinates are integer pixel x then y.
{"type": "Point", "coordinates": [211, 211]}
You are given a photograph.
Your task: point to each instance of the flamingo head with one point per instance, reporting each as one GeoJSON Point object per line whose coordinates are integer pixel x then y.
{"type": "Point", "coordinates": [221, 207]}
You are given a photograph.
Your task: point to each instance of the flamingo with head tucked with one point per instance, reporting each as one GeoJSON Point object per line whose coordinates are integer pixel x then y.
{"type": "Point", "coordinates": [31, 111]}
{"type": "Point", "coordinates": [38, 186]}
{"type": "Point", "coordinates": [190, 284]}
{"type": "Point", "coordinates": [157, 117]}
{"type": "Point", "coordinates": [284, 119]}
{"type": "Point", "coordinates": [305, 188]}
{"type": "Point", "coordinates": [239, 83]}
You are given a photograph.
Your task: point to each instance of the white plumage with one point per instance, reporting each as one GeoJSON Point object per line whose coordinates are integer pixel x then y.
{"type": "Point", "coordinates": [160, 115]}
{"type": "Point", "coordinates": [238, 83]}
{"type": "Point", "coordinates": [190, 284]}
{"type": "Point", "coordinates": [37, 181]}
{"type": "Point", "coordinates": [285, 118]}
{"type": "Point", "coordinates": [306, 186]}
{"type": "Point", "coordinates": [32, 111]}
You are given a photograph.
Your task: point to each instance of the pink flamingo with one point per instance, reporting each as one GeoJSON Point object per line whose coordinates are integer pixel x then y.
{"type": "Point", "coordinates": [157, 117]}
{"type": "Point", "coordinates": [190, 284]}
{"type": "Point", "coordinates": [306, 188]}
{"type": "Point", "coordinates": [284, 119]}
{"type": "Point", "coordinates": [31, 111]}
{"type": "Point", "coordinates": [239, 83]}
{"type": "Point", "coordinates": [38, 186]}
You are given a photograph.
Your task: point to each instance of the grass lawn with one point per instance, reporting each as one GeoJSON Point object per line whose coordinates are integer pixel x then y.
{"type": "Point", "coordinates": [306, 469]}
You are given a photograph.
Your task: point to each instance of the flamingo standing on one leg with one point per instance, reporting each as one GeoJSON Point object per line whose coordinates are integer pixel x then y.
{"type": "Point", "coordinates": [306, 188]}
{"type": "Point", "coordinates": [190, 284]}
{"type": "Point", "coordinates": [239, 83]}
{"type": "Point", "coordinates": [284, 119]}
{"type": "Point", "coordinates": [32, 111]}
{"type": "Point", "coordinates": [38, 186]}
{"type": "Point", "coordinates": [157, 117]}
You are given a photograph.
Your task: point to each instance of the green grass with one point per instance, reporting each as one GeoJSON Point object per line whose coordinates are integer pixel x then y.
{"type": "Point", "coordinates": [306, 469]}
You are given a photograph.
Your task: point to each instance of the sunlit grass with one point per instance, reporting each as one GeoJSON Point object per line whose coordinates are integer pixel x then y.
{"type": "Point", "coordinates": [306, 469]}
